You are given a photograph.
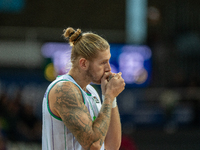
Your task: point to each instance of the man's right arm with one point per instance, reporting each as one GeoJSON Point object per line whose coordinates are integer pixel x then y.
{"type": "Point", "coordinates": [66, 101]}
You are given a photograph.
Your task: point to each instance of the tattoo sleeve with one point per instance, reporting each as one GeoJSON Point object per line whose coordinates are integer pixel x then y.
{"type": "Point", "coordinates": [75, 115]}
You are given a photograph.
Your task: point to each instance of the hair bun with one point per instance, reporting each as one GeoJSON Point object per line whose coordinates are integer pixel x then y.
{"type": "Point", "coordinates": [72, 35]}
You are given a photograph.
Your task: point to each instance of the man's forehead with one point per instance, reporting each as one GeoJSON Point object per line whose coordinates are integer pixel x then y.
{"type": "Point", "coordinates": [104, 55]}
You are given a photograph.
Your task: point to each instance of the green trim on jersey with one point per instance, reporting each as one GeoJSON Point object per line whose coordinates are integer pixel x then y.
{"type": "Point", "coordinates": [89, 94]}
{"type": "Point", "coordinates": [94, 117]}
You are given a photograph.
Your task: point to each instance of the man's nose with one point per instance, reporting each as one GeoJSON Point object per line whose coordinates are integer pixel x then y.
{"type": "Point", "coordinates": [108, 68]}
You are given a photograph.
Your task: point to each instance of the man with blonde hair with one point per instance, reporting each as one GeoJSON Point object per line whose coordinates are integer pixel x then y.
{"type": "Point", "coordinates": [73, 116]}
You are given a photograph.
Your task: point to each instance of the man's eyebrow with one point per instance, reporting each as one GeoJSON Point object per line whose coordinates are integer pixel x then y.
{"type": "Point", "coordinates": [105, 59]}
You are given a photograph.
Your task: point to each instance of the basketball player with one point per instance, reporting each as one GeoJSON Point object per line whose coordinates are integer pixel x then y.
{"type": "Point", "coordinates": [73, 116]}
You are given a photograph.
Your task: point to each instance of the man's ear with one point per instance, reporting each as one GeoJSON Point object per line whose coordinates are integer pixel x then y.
{"type": "Point", "coordinates": [83, 63]}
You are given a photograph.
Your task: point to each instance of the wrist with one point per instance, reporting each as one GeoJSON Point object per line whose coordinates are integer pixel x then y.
{"type": "Point", "coordinates": [114, 103]}
{"type": "Point", "coordinates": [109, 95]}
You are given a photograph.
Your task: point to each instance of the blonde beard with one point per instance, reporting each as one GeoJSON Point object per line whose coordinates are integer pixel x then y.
{"type": "Point", "coordinates": [90, 76]}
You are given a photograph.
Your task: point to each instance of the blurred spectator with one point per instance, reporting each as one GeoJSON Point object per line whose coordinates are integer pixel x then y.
{"type": "Point", "coordinates": [2, 143]}
{"type": "Point", "coordinates": [12, 116]}
{"type": "Point", "coordinates": [3, 104]}
{"type": "Point", "coordinates": [18, 121]}
{"type": "Point", "coordinates": [169, 100]}
{"type": "Point", "coordinates": [2, 138]}
{"type": "Point", "coordinates": [29, 127]}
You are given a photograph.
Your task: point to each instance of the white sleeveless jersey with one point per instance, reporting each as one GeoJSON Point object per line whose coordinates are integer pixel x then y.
{"type": "Point", "coordinates": [55, 135]}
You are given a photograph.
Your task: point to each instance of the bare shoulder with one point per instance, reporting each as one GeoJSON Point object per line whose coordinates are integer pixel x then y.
{"type": "Point", "coordinates": [67, 102]}
{"type": "Point", "coordinates": [65, 95]}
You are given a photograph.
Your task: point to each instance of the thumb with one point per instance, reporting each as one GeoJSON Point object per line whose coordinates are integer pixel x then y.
{"type": "Point", "coordinates": [118, 75]}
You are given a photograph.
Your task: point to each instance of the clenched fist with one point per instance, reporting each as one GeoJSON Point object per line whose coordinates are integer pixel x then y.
{"type": "Point", "coordinates": [112, 84]}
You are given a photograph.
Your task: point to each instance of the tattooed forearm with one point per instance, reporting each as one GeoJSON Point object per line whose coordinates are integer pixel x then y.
{"type": "Point", "coordinates": [101, 124]}
{"type": "Point", "coordinates": [106, 110]}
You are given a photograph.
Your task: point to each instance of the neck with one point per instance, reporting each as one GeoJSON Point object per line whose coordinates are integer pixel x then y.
{"type": "Point", "coordinates": [79, 77]}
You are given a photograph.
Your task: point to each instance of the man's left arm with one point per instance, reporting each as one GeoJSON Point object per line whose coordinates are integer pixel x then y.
{"type": "Point", "coordinates": [114, 134]}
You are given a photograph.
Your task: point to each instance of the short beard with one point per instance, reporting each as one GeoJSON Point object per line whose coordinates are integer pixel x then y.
{"type": "Point", "coordinates": [89, 75]}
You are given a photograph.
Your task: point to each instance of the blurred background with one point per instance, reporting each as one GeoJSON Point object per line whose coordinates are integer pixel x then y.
{"type": "Point", "coordinates": [154, 43]}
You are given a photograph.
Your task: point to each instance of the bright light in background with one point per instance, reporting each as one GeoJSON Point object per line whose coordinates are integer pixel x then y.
{"type": "Point", "coordinates": [60, 54]}
{"type": "Point", "coordinates": [133, 61]}
{"type": "Point", "coordinates": [131, 64]}
{"type": "Point", "coordinates": [49, 72]}
{"type": "Point", "coordinates": [61, 60]}
{"type": "Point", "coordinates": [136, 21]}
